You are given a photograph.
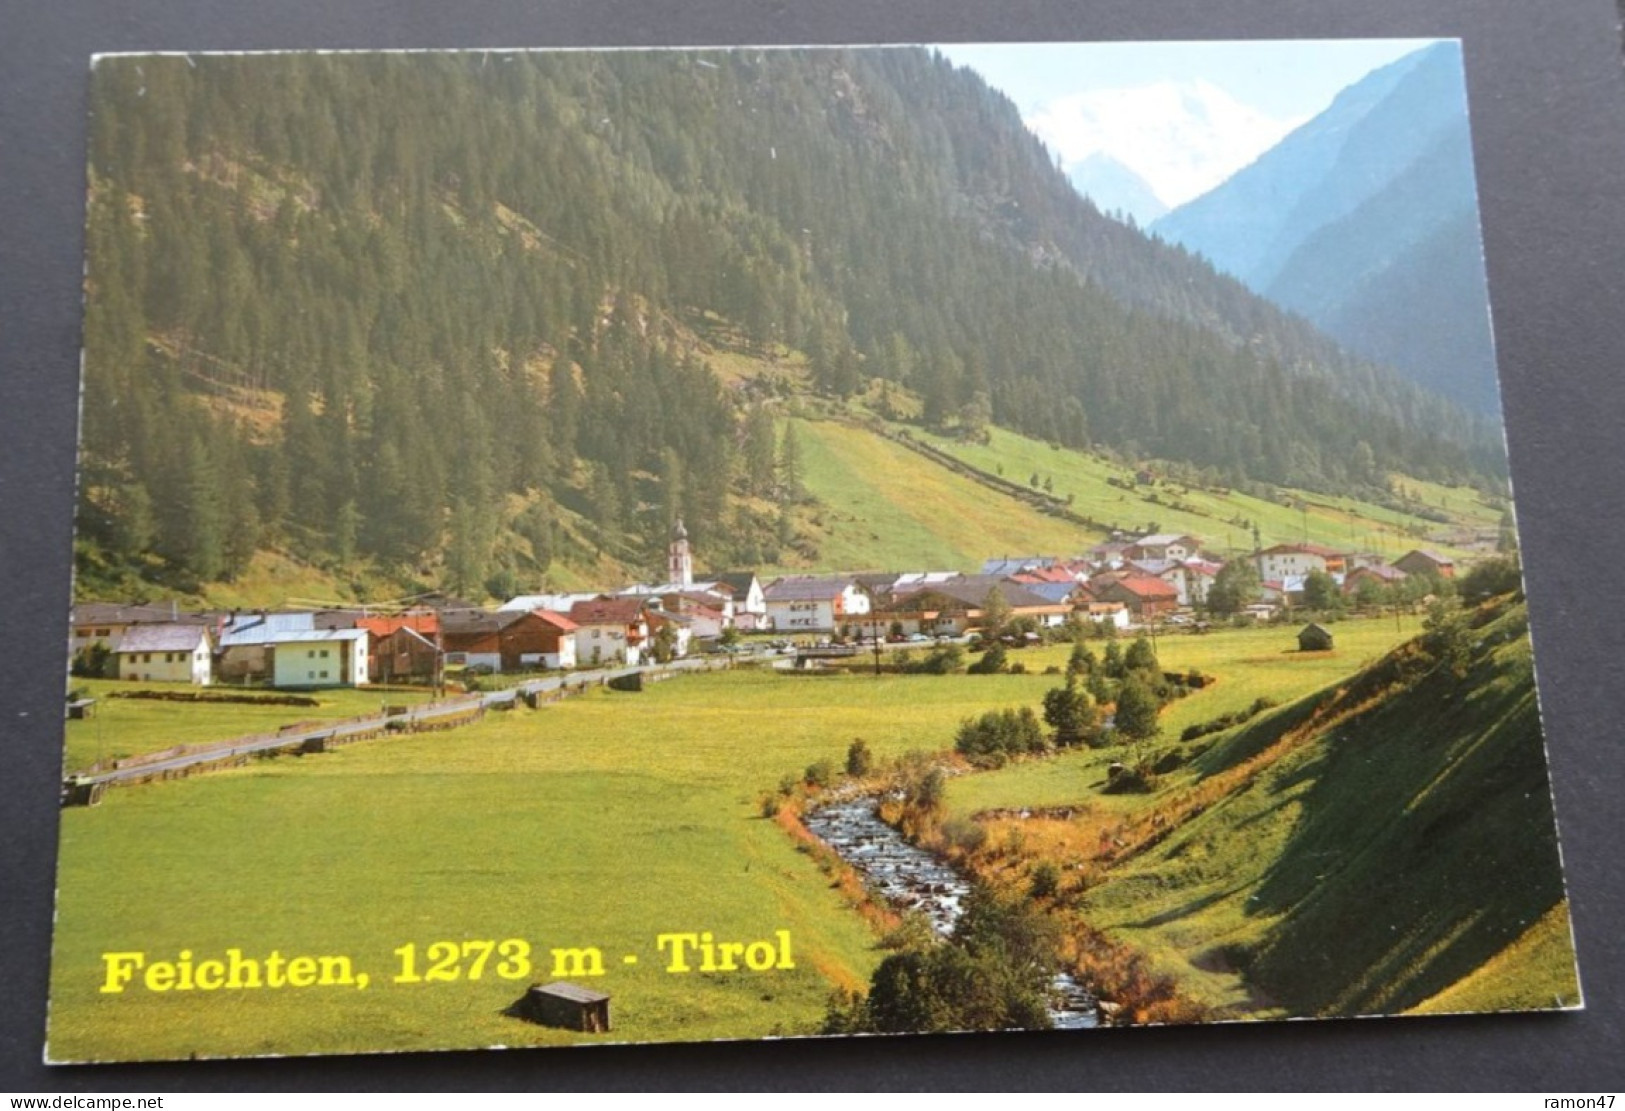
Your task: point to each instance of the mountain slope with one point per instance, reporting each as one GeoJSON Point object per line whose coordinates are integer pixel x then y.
{"type": "Point", "coordinates": [1114, 188]}
{"type": "Point", "coordinates": [1365, 221]}
{"type": "Point", "coordinates": [442, 317]}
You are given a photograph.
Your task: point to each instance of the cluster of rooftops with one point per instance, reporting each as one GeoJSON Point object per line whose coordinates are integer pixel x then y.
{"type": "Point", "coordinates": [1122, 582]}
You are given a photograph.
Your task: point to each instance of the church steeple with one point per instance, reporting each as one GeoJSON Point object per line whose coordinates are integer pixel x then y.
{"type": "Point", "coordinates": [679, 560]}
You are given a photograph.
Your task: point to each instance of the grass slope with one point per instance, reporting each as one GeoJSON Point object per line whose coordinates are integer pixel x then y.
{"type": "Point", "coordinates": [1410, 823]}
{"type": "Point", "coordinates": [1249, 664]}
{"type": "Point", "coordinates": [885, 507]}
{"type": "Point", "coordinates": [1220, 518]}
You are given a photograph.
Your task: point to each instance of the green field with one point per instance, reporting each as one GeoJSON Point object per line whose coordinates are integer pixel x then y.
{"type": "Point", "coordinates": [121, 727]}
{"type": "Point", "coordinates": [610, 819]}
{"type": "Point", "coordinates": [1337, 522]}
{"type": "Point", "coordinates": [1249, 663]}
{"type": "Point", "coordinates": [600, 821]}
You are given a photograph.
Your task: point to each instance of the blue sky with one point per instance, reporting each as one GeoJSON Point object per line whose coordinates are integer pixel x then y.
{"type": "Point", "coordinates": [1183, 115]}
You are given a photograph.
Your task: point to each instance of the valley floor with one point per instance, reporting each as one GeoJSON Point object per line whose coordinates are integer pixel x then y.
{"type": "Point", "coordinates": [601, 823]}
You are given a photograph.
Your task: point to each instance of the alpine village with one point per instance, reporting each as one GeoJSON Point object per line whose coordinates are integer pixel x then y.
{"type": "Point", "coordinates": [591, 508]}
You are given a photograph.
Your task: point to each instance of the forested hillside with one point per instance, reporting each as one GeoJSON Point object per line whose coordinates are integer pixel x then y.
{"type": "Point", "coordinates": [447, 314]}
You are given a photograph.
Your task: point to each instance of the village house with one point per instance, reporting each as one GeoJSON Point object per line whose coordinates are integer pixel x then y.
{"type": "Point", "coordinates": [1144, 596]}
{"type": "Point", "coordinates": [749, 602]}
{"type": "Point", "coordinates": [610, 630]}
{"type": "Point", "coordinates": [320, 658]}
{"type": "Point", "coordinates": [809, 604]}
{"type": "Point", "coordinates": [1115, 614]}
{"type": "Point", "coordinates": [682, 630]}
{"type": "Point", "coordinates": [1381, 577]}
{"type": "Point", "coordinates": [1287, 591]}
{"type": "Point", "coordinates": [1292, 560]}
{"type": "Point", "coordinates": [1006, 566]}
{"type": "Point", "coordinates": [166, 654]}
{"type": "Point", "coordinates": [552, 603]}
{"type": "Point", "coordinates": [1424, 561]}
{"type": "Point", "coordinates": [507, 640]}
{"type": "Point", "coordinates": [289, 650]}
{"type": "Point", "coordinates": [1109, 553]}
{"type": "Point", "coordinates": [1174, 547]}
{"type": "Point", "coordinates": [105, 623]}
{"type": "Point", "coordinates": [959, 606]}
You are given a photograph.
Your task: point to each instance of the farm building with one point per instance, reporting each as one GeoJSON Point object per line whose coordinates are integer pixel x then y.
{"type": "Point", "coordinates": [1423, 561]}
{"type": "Point", "coordinates": [1380, 577]}
{"type": "Point", "coordinates": [1314, 638]}
{"type": "Point", "coordinates": [508, 640]}
{"type": "Point", "coordinates": [107, 622]}
{"type": "Point", "coordinates": [566, 1006]}
{"type": "Point", "coordinates": [166, 654]}
{"type": "Point", "coordinates": [404, 655]}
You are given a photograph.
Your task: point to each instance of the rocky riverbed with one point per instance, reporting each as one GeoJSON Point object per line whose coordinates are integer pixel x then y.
{"type": "Point", "coordinates": [911, 878]}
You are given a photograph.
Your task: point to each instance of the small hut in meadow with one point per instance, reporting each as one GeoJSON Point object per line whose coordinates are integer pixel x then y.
{"type": "Point", "coordinates": [566, 1006]}
{"type": "Point", "coordinates": [1314, 638]}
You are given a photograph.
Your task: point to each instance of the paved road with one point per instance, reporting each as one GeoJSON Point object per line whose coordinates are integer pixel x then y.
{"type": "Point", "coordinates": [409, 716]}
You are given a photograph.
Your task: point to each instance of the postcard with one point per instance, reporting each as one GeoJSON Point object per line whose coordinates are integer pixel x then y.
{"type": "Point", "coordinates": [665, 545]}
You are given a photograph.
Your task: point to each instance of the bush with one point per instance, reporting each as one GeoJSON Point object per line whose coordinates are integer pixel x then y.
{"type": "Point", "coordinates": [94, 661]}
{"type": "Point", "coordinates": [964, 834]}
{"type": "Point", "coordinates": [997, 735]}
{"type": "Point", "coordinates": [941, 660]}
{"type": "Point", "coordinates": [992, 662]}
{"type": "Point", "coordinates": [1046, 880]}
{"type": "Point", "coordinates": [820, 773]}
{"type": "Point", "coordinates": [1122, 779]}
{"type": "Point", "coordinates": [859, 760]}
{"type": "Point", "coordinates": [992, 974]}
{"type": "Point", "coordinates": [1069, 711]}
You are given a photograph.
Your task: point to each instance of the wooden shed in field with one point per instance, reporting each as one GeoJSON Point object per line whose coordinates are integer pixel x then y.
{"type": "Point", "coordinates": [1314, 638]}
{"type": "Point", "coordinates": [566, 1006]}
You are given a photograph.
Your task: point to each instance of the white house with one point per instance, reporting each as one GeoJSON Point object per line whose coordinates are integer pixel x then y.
{"type": "Point", "coordinates": [749, 602]}
{"type": "Point", "coordinates": [1164, 545]}
{"type": "Point", "coordinates": [806, 604]}
{"type": "Point", "coordinates": [1289, 560]}
{"type": "Point", "coordinates": [610, 631]}
{"type": "Point", "coordinates": [319, 658]}
{"type": "Point", "coordinates": [166, 654]}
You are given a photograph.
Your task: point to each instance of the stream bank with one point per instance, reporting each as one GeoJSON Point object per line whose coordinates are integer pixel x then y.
{"type": "Point", "coordinates": [912, 879]}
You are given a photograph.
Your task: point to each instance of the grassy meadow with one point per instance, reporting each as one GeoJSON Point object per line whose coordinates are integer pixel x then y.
{"type": "Point", "coordinates": [604, 821]}
{"type": "Point", "coordinates": [612, 818]}
{"type": "Point", "coordinates": [1249, 664]}
{"type": "Point", "coordinates": [122, 727]}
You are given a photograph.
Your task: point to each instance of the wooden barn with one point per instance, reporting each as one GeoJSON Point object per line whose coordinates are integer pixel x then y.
{"type": "Point", "coordinates": [566, 1006]}
{"type": "Point", "coordinates": [1314, 638]}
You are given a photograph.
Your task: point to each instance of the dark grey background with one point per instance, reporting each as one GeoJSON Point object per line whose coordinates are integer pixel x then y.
{"type": "Point", "coordinates": [1549, 127]}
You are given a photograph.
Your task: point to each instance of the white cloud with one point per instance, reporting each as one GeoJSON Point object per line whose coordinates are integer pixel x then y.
{"type": "Point", "coordinates": [1182, 138]}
